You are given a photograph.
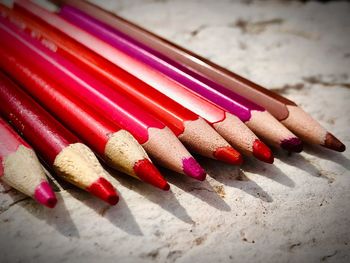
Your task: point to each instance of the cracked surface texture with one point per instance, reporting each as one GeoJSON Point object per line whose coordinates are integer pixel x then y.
{"type": "Point", "coordinates": [296, 210]}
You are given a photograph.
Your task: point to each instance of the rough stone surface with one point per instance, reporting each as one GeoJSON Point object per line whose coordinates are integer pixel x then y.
{"type": "Point", "coordinates": [294, 211]}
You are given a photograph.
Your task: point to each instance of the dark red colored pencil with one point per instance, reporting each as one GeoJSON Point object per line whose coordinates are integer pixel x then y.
{"type": "Point", "coordinates": [58, 147]}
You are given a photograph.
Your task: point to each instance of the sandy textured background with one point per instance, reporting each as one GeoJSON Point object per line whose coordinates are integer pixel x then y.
{"type": "Point", "coordinates": [294, 211]}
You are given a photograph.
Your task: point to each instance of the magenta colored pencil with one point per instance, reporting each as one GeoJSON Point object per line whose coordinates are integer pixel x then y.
{"type": "Point", "coordinates": [264, 126]}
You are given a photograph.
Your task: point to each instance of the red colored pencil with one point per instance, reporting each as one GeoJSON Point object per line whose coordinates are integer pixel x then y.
{"type": "Point", "coordinates": [59, 148]}
{"type": "Point", "coordinates": [283, 109]}
{"type": "Point", "coordinates": [193, 131]}
{"type": "Point", "coordinates": [229, 126]}
{"type": "Point", "coordinates": [21, 169]}
{"type": "Point", "coordinates": [150, 132]}
{"type": "Point", "coordinates": [255, 116]}
{"type": "Point", "coordinates": [117, 147]}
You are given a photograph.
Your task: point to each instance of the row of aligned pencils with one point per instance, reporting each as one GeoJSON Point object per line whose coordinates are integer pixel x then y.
{"type": "Point", "coordinates": [76, 81]}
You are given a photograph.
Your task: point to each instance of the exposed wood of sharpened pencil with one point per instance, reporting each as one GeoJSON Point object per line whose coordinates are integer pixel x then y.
{"type": "Point", "coordinates": [193, 131]}
{"type": "Point", "coordinates": [285, 110]}
{"type": "Point", "coordinates": [21, 169]}
{"type": "Point", "coordinates": [145, 128]}
{"type": "Point", "coordinates": [205, 109]}
{"type": "Point", "coordinates": [60, 149]}
{"type": "Point", "coordinates": [117, 147]}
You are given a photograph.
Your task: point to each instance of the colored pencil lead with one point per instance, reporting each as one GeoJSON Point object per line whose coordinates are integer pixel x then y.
{"type": "Point", "coordinates": [147, 172]}
{"type": "Point", "coordinates": [292, 145]}
{"type": "Point", "coordinates": [331, 142]}
{"type": "Point", "coordinates": [228, 155]}
{"type": "Point", "coordinates": [104, 190]}
{"type": "Point", "coordinates": [262, 152]}
{"type": "Point", "coordinates": [44, 195]}
{"type": "Point", "coordinates": [193, 169]}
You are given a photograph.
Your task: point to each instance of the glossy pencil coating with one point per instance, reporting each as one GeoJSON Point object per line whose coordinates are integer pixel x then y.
{"type": "Point", "coordinates": [145, 128]}
{"type": "Point", "coordinates": [60, 149]}
{"type": "Point", "coordinates": [242, 138]}
{"type": "Point", "coordinates": [20, 167]}
{"type": "Point", "coordinates": [194, 132]}
{"type": "Point", "coordinates": [117, 147]}
{"type": "Point", "coordinates": [219, 95]}
{"type": "Point", "coordinates": [285, 110]}
{"type": "Point", "coordinates": [224, 98]}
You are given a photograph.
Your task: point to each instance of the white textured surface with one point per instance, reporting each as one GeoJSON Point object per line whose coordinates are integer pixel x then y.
{"type": "Point", "coordinates": [295, 211]}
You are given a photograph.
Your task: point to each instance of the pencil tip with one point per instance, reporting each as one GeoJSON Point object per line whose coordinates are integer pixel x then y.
{"type": "Point", "coordinates": [292, 145]}
{"type": "Point", "coordinates": [104, 190]}
{"type": "Point", "coordinates": [44, 195]}
{"type": "Point", "coordinates": [192, 168]}
{"type": "Point", "coordinates": [229, 155]}
{"type": "Point", "coordinates": [148, 173]}
{"type": "Point", "coordinates": [331, 142]}
{"type": "Point", "coordinates": [262, 152]}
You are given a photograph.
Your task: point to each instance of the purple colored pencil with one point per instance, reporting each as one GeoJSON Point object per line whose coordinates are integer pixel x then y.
{"type": "Point", "coordinates": [256, 117]}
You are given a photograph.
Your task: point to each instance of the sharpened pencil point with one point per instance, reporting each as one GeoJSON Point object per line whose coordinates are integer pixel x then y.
{"type": "Point", "coordinates": [229, 155]}
{"type": "Point", "coordinates": [292, 145]}
{"type": "Point", "coordinates": [192, 168]}
{"type": "Point", "coordinates": [262, 152]}
{"type": "Point", "coordinates": [148, 173]}
{"type": "Point", "coordinates": [104, 190]}
{"type": "Point", "coordinates": [331, 142]}
{"type": "Point", "coordinates": [44, 195]}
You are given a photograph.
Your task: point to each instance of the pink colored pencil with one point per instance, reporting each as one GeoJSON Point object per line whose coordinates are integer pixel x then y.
{"type": "Point", "coordinates": [21, 169]}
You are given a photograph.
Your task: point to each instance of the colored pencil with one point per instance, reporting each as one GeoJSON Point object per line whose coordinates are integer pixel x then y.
{"type": "Point", "coordinates": [283, 109]}
{"type": "Point", "coordinates": [192, 130]}
{"type": "Point", "coordinates": [149, 131]}
{"type": "Point", "coordinates": [115, 146]}
{"type": "Point", "coordinates": [21, 169]}
{"type": "Point", "coordinates": [58, 147]}
{"type": "Point", "coordinates": [229, 126]}
{"type": "Point", "coordinates": [256, 118]}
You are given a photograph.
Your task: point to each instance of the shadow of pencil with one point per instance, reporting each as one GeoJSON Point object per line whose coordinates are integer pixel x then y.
{"type": "Point", "coordinates": [165, 199]}
{"type": "Point", "coordinates": [200, 189]}
{"type": "Point", "coordinates": [301, 163]}
{"type": "Point", "coordinates": [304, 164]}
{"type": "Point", "coordinates": [270, 171]}
{"type": "Point", "coordinates": [58, 217]}
{"type": "Point", "coordinates": [119, 215]}
{"type": "Point", "coordinates": [327, 154]}
{"type": "Point", "coordinates": [233, 176]}
{"type": "Point", "coordinates": [10, 197]}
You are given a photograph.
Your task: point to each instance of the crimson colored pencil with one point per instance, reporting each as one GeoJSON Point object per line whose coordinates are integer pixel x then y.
{"type": "Point", "coordinates": [115, 146]}
{"type": "Point", "coordinates": [21, 169]}
{"type": "Point", "coordinates": [149, 131]}
{"type": "Point", "coordinates": [192, 130]}
{"type": "Point", "coordinates": [58, 147]}
{"type": "Point", "coordinates": [283, 109]}
{"type": "Point", "coordinates": [256, 117]}
{"type": "Point", "coordinates": [229, 126]}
